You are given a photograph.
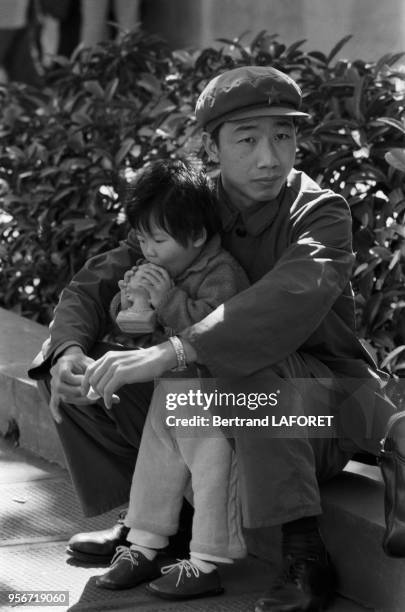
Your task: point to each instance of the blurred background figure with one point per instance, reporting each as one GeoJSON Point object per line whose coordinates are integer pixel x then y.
{"type": "Point", "coordinates": [66, 23]}
{"type": "Point", "coordinates": [19, 42]}
{"type": "Point", "coordinates": [96, 13]}
{"type": "Point", "coordinates": [61, 26]}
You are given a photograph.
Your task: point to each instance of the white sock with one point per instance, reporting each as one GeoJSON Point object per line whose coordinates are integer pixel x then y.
{"type": "Point", "coordinates": [149, 553]}
{"type": "Point", "coordinates": [202, 565]}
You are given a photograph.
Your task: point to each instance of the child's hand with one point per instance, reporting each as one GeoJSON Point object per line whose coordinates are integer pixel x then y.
{"type": "Point", "coordinates": [129, 274]}
{"type": "Point", "coordinates": [127, 286]}
{"type": "Point", "coordinates": [156, 280]}
{"type": "Point", "coordinates": [125, 297]}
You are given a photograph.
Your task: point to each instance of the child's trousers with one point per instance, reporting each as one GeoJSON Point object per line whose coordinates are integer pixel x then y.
{"type": "Point", "coordinates": [167, 462]}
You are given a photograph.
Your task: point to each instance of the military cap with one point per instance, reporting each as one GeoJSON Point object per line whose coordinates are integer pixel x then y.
{"type": "Point", "coordinates": [245, 92]}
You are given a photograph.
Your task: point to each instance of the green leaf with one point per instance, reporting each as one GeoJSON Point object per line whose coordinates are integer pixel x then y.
{"type": "Point", "coordinates": [395, 259]}
{"type": "Point", "coordinates": [73, 164]}
{"type": "Point", "coordinates": [382, 252]}
{"type": "Point", "coordinates": [15, 152]}
{"type": "Point", "coordinates": [150, 83]}
{"type": "Point", "coordinates": [163, 107]}
{"type": "Point", "coordinates": [387, 60]}
{"type": "Point", "coordinates": [338, 47]}
{"type": "Point", "coordinates": [391, 356]}
{"type": "Point", "coordinates": [294, 47]}
{"type": "Point", "coordinates": [124, 150]}
{"type": "Point", "coordinates": [392, 123]}
{"type": "Point", "coordinates": [361, 268]}
{"type": "Point", "coordinates": [357, 98]}
{"type": "Point", "coordinates": [399, 229]}
{"type": "Point", "coordinates": [95, 89]}
{"type": "Point", "coordinates": [111, 89]}
{"type": "Point", "coordinates": [183, 56]}
{"type": "Point", "coordinates": [318, 55]}
{"type": "Point", "coordinates": [396, 159]}
{"type": "Point", "coordinates": [81, 225]}
{"type": "Point", "coordinates": [336, 124]}
{"type": "Point", "coordinates": [60, 195]}
{"type": "Point", "coordinates": [81, 118]}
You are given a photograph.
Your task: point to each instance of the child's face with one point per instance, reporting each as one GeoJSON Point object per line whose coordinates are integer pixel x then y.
{"type": "Point", "coordinates": [160, 248]}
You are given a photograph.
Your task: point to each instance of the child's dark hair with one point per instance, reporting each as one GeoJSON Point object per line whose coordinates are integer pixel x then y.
{"type": "Point", "coordinates": [177, 197]}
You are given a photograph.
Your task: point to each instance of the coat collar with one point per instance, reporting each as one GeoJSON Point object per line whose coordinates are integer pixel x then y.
{"type": "Point", "coordinates": [208, 252]}
{"type": "Point", "coordinates": [255, 220]}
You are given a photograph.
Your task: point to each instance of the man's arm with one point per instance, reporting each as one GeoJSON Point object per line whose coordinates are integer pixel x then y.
{"type": "Point", "coordinates": [81, 317]}
{"type": "Point", "coordinates": [264, 323]}
{"type": "Point", "coordinates": [277, 314]}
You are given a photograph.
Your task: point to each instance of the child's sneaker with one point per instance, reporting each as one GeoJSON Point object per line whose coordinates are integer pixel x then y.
{"type": "Point", "coordinates": [184, 580]}
{"type": "Point", "coordinates": [128, 569]}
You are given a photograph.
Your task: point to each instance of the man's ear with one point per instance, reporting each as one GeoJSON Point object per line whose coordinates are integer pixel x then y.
{"type": "Point", "coordinates": [210, 146]}
{"type": "Point", "coordinates": [199, 240]}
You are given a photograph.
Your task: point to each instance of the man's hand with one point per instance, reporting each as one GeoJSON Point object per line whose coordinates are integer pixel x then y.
{"type": "Point", "coordinates": [67, 376]}
{"type": "Point", "coordinates": [156, 280]}
{"type": "Point", "coordinates": [118, 368]}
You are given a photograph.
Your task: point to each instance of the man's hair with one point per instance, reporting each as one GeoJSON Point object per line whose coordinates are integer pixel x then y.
{"type": "Point", "coordinates": [175, 196]}
{"type": "Point", "coordinates": [215, 134]}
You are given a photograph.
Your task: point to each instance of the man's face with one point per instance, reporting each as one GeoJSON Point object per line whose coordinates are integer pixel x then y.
{"type": "Point", "coordinates": [255, 157]}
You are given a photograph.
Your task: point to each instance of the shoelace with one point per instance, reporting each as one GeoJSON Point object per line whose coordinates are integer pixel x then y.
{"type": "Point", "coordinates": [183, 565]}
{"type": "Point", "coordinates": [123, 552]}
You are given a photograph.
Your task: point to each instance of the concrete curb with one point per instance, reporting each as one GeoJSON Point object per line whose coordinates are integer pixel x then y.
{"type": "Point", "coordinates": [20, 400]}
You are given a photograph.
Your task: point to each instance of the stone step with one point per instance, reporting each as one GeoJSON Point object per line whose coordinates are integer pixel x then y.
{"type": "Point", "coordinates": [353, 520]}
{"type": "Point", "coordinates": [353, 525]}
{"type": "Point", "coordinates": [20, 400]}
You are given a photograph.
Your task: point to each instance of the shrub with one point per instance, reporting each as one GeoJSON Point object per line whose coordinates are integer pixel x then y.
{"type": "Point", "coordinates": [68, 153]}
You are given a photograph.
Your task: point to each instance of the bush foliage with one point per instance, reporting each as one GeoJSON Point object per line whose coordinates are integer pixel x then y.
{"type": "Point", "coordinates": [68, 153]}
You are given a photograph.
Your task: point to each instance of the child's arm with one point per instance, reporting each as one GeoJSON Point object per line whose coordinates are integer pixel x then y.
{"type": "Point", "coordinates": [178, 310]}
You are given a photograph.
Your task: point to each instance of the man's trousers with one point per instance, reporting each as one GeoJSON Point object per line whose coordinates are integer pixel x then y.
{"type": "Point", "coordinates": [279, 476]}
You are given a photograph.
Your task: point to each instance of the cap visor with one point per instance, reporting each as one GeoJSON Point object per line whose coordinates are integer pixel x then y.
{"type": "Point", "coordinates": [249, 113]}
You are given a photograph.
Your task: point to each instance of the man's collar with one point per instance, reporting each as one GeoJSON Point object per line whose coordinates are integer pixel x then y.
{"type": "Point", "coordinates": [255, 220]}
{"type": "Point", "coordinates": [228, 213]}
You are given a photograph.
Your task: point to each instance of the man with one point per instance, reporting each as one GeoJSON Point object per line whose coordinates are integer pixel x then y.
{"type": "Point", "coordinates": [296, 321]}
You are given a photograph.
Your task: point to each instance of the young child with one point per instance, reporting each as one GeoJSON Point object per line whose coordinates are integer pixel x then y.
{"type": "Point", "coordinates": [185, 274]}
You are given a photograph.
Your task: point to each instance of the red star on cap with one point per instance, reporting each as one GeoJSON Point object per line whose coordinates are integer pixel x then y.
{"type": "Point", "coordinates": [274, 96]}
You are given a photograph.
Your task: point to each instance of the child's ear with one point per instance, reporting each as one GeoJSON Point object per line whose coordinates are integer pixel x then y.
{"type": "Point", "coordinates": [210, 147]}
{"type": "Point", "coordinates": [200, 239]}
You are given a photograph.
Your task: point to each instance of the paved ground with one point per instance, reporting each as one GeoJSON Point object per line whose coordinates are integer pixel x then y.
{"type": "Point", "coordinates": [38, 514]}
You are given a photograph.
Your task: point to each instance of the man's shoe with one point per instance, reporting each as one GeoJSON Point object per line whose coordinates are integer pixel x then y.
{"type": "Point", "coordinates": [304, 584]}
{"type": "Point", "coordinates": [99, 546]}
{"type": "Point", "coordinates": [184, 580]}
{"type": "Point", "coordinates": [128, 569]}
{"type": "Point", "coordinates": [392, 463]}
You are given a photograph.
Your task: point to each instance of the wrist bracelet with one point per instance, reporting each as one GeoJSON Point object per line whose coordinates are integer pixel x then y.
{"type": "Point", "coordinates": [180, 354]}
